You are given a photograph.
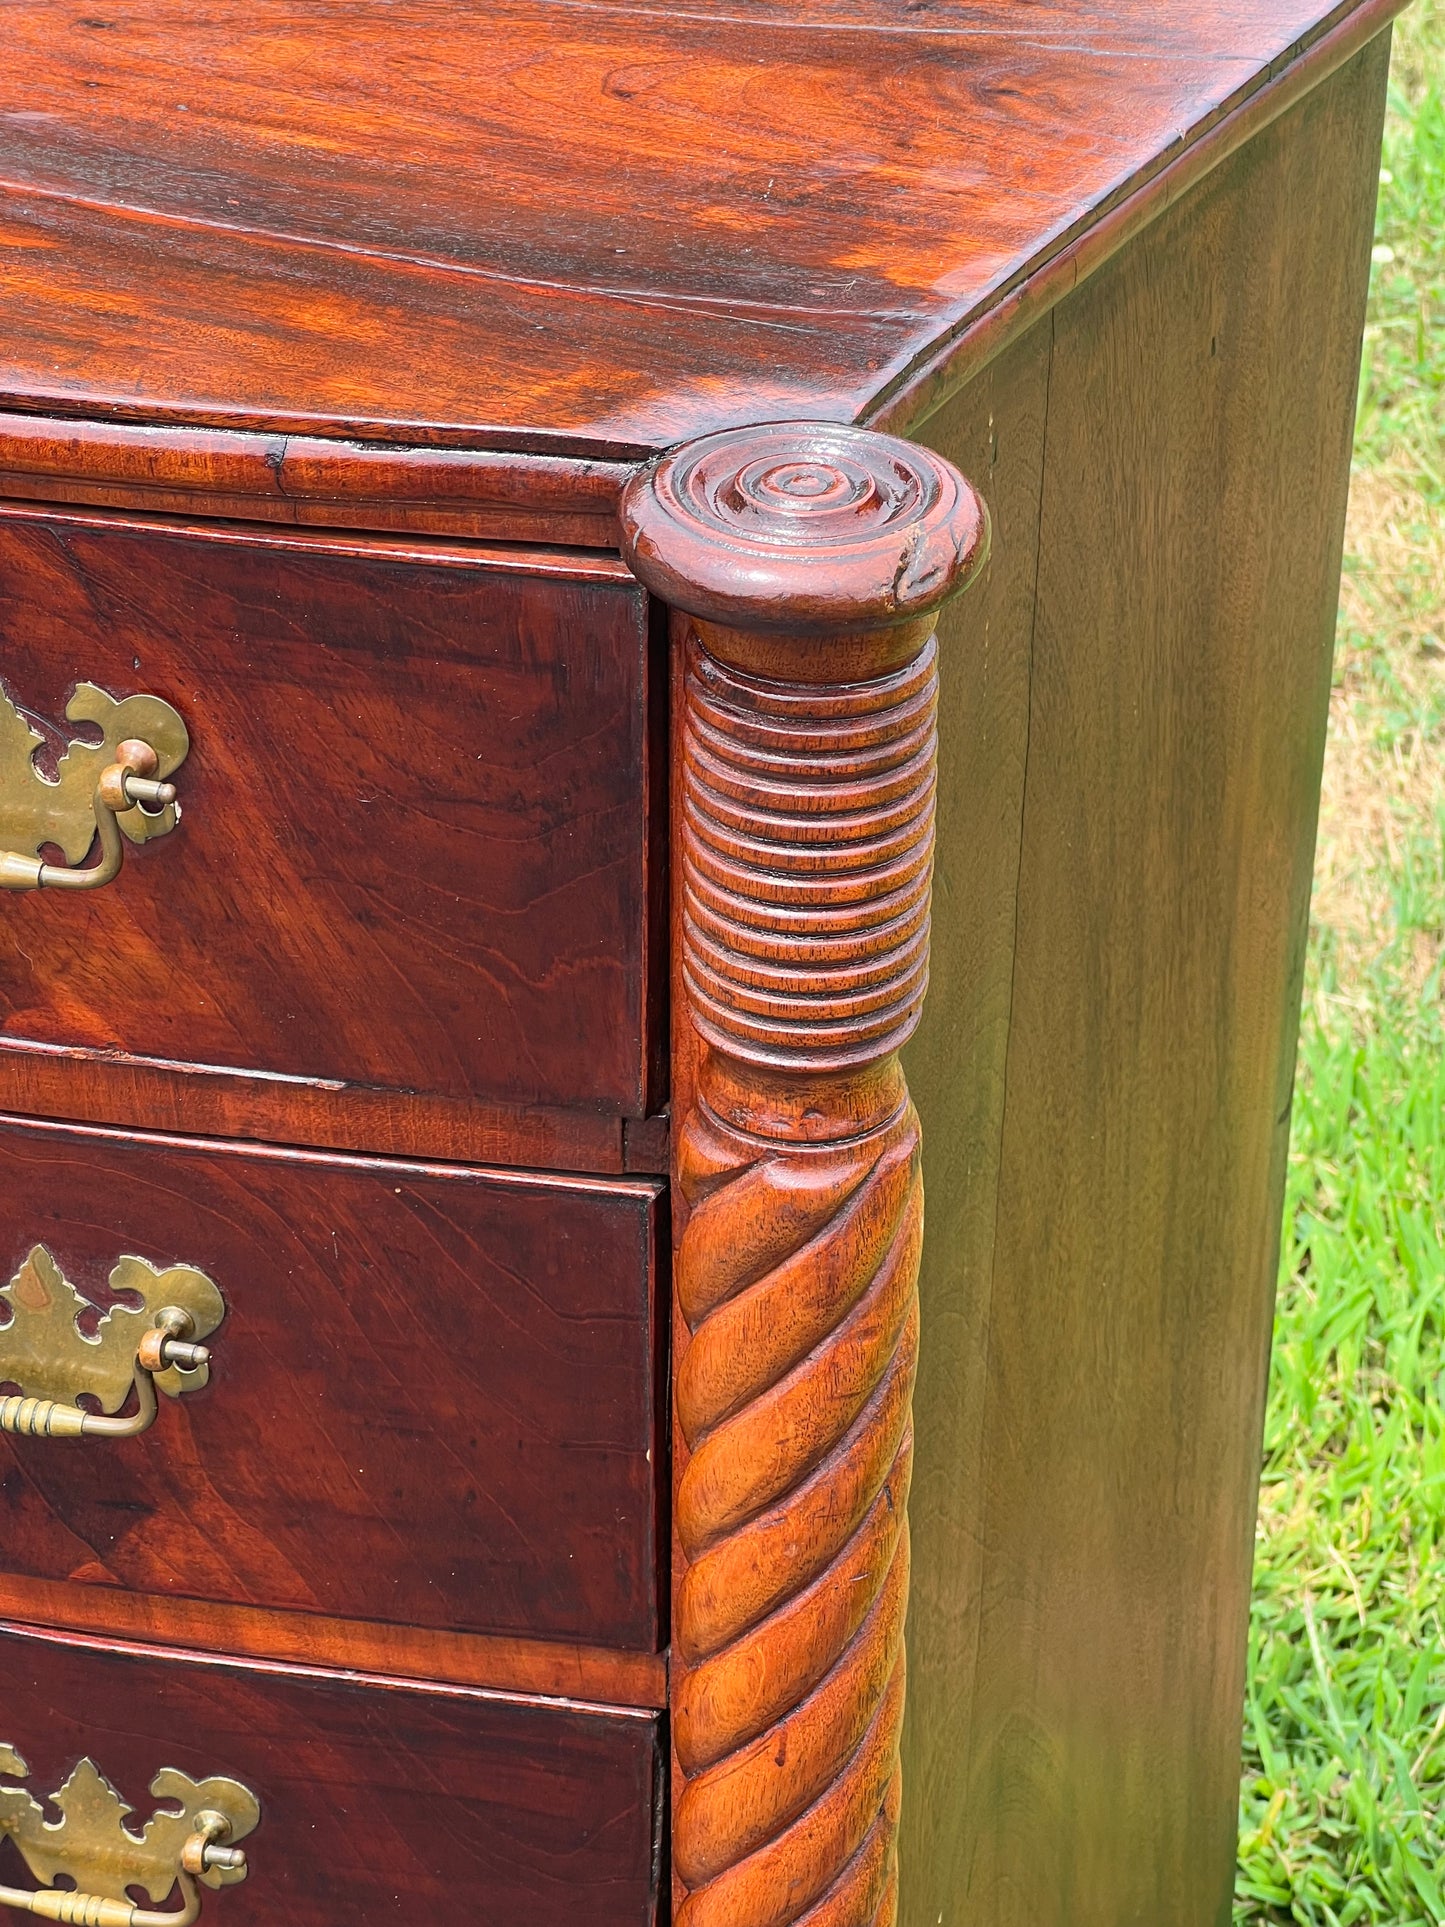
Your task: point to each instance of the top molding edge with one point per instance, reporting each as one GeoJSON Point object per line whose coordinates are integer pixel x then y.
{"type": "Point", "coordinates": [562, 490]}
{"type": "Point", "coordinates": [909, 397]}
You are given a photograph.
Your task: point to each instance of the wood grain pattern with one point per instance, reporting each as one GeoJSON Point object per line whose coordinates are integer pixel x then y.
{"type": "Point", "coordinates": [415, 847]}
{"type": "Point", "coordinates": [111, 1087]}
{"type": "Point", "coordinates": [416, 906]}
{"type": "Point", "coordinates": [955, 1065]}
{"type": "Point", "coordinates": [303, 480]}
{"type": "Point", "coordinates": [432, 1400]}
{"type": "Point", "coordinates": [1085, 1495]}
{"type": "Point", "coordinates": [563, 226]}
{"type": "Point", "coordinates": [378, 1802]}
{"type": "Point", "coordinates": [962, 354]}
{"type": "Point", "coordinates": [545, 1668]}
{"type": "Point", "coordinates": [813, 562]}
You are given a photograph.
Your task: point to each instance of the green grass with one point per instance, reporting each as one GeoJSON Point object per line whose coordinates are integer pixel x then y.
{"type": "Point", "coordinates": [1342, 1810]}
{"type": "Point", "coordinates": [1401, 418]}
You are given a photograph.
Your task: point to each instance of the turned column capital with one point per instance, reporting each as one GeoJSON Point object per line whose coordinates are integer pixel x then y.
{"type": "Point", "coordinates": [807, 551]}
{"type": "Point", "coordinates": [813, 559]}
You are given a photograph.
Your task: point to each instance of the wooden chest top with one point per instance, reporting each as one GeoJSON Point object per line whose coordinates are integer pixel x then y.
{"type": "Point", "coordinates": [569, 225]}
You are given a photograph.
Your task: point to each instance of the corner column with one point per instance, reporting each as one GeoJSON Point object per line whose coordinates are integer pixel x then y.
{"type": "Point", "coordinates": [812, 561]}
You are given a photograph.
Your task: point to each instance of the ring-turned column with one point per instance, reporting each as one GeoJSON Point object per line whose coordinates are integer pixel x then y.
{"type": "Point", "coordinates": [812, 561]}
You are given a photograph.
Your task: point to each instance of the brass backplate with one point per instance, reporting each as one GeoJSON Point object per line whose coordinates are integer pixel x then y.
{"type": "Point", "coordinates": [48, 1350]}
{"type": "Point", "coordinates": [91, 1843]}
{"type": "Point", "coordinates": [37, 810]}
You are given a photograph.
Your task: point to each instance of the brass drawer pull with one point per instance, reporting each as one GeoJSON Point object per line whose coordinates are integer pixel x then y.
{"type": "Point", "coordinates": [155, 1348]}
{"type": "Point", "coordinates": [188, 1840]}
{"type": "Point", "coordinates": [110, 790]}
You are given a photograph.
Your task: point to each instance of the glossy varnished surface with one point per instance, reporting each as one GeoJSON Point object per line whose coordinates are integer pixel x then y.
{"type": "Point", "coordinates": [565, 223]}
{"type": "Point", "coordinates": [313, 482]}
{"type": "Point", "coordinates": [378, 1803]}
{"type": "Point", "coordinates": [582, 229]}
{"type": "Point", "coordinates": [508, 1663]}
{"type": "Point", "coordinates": [432, 1400]}
{"type": "Point", "coordinates": [803, 842]}
{"type": "Point", "coordinates": [414, 847]}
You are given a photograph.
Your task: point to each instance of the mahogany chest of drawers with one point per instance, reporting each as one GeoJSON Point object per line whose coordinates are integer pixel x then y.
{"type": "Point", "coordinates": [493, 747]}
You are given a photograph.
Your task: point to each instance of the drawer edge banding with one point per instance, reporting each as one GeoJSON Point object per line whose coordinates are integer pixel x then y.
{"type": "Point", "coordinates": [535, 1668]}
{"type": "Point", "coordinates": [519, 1177]}
{"type": "Point", "coordinates": [308, 1670]}
{"type": "Point", "coordinates": [73, 1085]}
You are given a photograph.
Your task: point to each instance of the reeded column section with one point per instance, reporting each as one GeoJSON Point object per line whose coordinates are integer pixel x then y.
{"type": "Point", "coordinates": [813, 560]}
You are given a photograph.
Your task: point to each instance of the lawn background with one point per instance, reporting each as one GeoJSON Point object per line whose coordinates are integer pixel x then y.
{"type": "Point", "coordinates": [1342, 1811]}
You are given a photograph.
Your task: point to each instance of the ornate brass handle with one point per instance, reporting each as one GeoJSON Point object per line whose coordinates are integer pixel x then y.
{"type": "Point", "coordinates": [155, 1348]}
{"type": "Point", "coordinates": [111, 790]}
{"type": "Point", "coordinates": [188, 1841]}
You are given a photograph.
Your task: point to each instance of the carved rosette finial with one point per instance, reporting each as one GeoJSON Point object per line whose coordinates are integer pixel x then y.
{"type": "Point", "coordinates": [813, 561]}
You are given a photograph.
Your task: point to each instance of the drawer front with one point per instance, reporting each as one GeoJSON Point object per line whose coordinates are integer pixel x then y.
{"type": "Point", "coordinates": [431, 1397]}
{"type": "Point", "coordinates": [414, 841]}
{"type": "Point", "coordinates": [377, 1804]}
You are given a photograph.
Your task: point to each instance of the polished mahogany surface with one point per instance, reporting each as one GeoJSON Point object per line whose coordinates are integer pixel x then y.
{"type": "Point", "coordinates": [432, 1400]}
{"type": "Point", "coordinates": [814, 563]}
{"type": "Point", "coordinates": [414, 846]}
{"type": "Point", "coordinates": [596, 225]}
{"type": "Point", "coordinates": [313, 482]}
{"type": "Point", "coordinates": [378, 1803]}
{"type": "Point", "coordinates": [447, 271]}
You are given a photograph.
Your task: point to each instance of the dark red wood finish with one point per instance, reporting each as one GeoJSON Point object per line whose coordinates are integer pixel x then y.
{"type": "Point", "coordinates": [361, 264]}
{"type": "Point", "coordinates": [814, 562]}
{"type": "Point", "coordinates": [311, 482]}
{"type": "Point", "coordinates": [378, 1803]}
{"type": "Point", "coordinates": [596, 227]}
{"type": "Point", "coordinates": [432, 1399]}
{"type": "Point", "coordinates": [111, 1088]}
{"type": "Point", "coordinates": [506, 1663]}
{"type": "Point", "coordinates": [414, 848]}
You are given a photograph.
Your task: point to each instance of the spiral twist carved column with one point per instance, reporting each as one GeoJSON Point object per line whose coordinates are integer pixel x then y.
{"type": "Point", "coordinates": [812, 561]}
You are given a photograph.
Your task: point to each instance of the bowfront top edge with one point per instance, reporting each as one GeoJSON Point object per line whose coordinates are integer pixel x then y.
{"type": "Point", "coordinates": [326, 255]}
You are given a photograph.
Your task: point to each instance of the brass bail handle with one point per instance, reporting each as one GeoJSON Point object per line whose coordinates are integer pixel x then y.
{"type": "Point", "coordinates": [127, 783]}
{"type": "Point", "coordinates": [165, 1348]}
{"type": "Point", "coordinates": [49, 1354]}
{"type": "Point", "coordinates": [201, 1854]}
{"type": "Point", "coordinates": [179, 1850]}
{"type": "Point", "coordinates": [111, 785]}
